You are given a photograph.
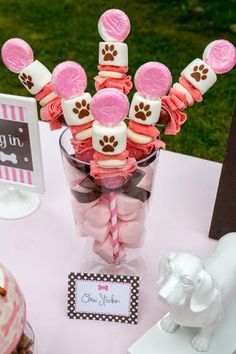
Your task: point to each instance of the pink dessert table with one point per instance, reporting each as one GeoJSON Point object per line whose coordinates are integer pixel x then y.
{"type": "Point", "coordinates": [42, 249]}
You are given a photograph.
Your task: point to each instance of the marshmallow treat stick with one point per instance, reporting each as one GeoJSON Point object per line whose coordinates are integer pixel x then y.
{"type": "Point", "coordinates": [69, 83]}
{"type": "Point", "coordinates": [109, 108]}
{"type": "Point", "coordinates": [152, 81]}
{"type": "Point", "coordinates": [196, 79]}
{"type": "Point", "coordinates": [18, 56]}
{"type": "Point", "coordinates": [113, 27]}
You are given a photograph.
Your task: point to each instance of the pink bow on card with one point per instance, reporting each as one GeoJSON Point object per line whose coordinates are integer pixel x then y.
{"type": "Point", "coordinates": [103, 287]}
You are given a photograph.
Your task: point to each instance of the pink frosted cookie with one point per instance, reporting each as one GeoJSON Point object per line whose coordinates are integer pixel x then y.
{"type": "Point", "coordinates": [17, 54]}
{"type": "Point", "coordinates": [69, 80]}
{"type": "Point", "coordinates": [109, 106]}
{"type": "Point", "coordinates": [153, 80]}
{"type": "Point", "coordinates": [12, 312]}
{"type": "Point", "coordinates": [220, 55]}
{"type": "Point", "coordinates": [114, 26]}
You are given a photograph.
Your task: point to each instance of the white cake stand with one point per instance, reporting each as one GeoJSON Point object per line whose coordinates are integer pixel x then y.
{"type": "Point", "coordinates": [16, 203]}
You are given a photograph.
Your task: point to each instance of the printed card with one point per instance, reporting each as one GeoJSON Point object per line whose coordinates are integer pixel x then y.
{"type": "Point", "coordinates": [103, 297]}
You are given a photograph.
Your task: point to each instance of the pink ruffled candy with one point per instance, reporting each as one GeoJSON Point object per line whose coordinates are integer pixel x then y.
{"type": "Point", "coordinates": [153, 80]}
{"type": "Point", "coordinates": [220, 55]}
{"type": "Point", "coordinates": [69, 79]}
{"type": "Point", "coordinates": [109, 106]}
{"type": "Point", "coordinates": [114, 26]}
{"type": "Point", "coordinates": [17, 54]}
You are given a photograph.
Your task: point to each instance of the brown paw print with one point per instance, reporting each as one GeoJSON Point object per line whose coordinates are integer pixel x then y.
{"type": "Point", "coordinates": [199, 73]}
{"type": "Point", "coordinates": [108, 144]}
{"type": "Point", "coordinates": [27, 80]}
{"type": "Point", "coordinates": [82, 109]}
{"type": "Point", "coordinates": [142, 111]}
{"type": "Point", "coordinates": [109, 52]}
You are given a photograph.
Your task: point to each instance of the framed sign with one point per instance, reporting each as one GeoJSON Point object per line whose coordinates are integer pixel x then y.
{"type": "Point", "coordinates": [20, 150]}
{"type": "Point", "coordinates": [103, 297]}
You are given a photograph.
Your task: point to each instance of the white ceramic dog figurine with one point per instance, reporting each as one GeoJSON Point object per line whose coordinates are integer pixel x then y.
{"type": "Point", "coordinates": [197, 291]}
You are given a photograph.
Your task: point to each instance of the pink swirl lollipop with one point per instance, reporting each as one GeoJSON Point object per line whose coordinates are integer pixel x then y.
{"type": "Point", "coordinates": [153, 80]}
{"type": "Point", "coordinates": [220, 55]}
{"type": "Point", "coordinates": [109, 106]}
{"type": "Point", "coordinates": [114, 26]}
{"type": "Point", "coordinates": [17, 54]}
{"type": "Point", "coordinates": [69, 79]}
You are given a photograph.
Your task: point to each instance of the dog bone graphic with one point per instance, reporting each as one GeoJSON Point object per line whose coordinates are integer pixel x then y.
{"type": "Point", "coordinates": [4, 157]}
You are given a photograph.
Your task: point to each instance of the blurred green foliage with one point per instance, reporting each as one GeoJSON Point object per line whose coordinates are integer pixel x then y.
{"type": "Point", "coordinates": [172, 32]}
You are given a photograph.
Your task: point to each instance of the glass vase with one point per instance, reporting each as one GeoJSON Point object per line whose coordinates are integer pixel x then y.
{"type": "Point", "coordinates": [110, 215]}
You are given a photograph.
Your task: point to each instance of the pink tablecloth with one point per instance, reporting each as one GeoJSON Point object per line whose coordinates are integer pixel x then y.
{"type": "Point", "coordinates": [42, 249]}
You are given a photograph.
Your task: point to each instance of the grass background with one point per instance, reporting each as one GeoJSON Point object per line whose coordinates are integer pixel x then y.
{"type": "Point", "coordinates": [172, 32]}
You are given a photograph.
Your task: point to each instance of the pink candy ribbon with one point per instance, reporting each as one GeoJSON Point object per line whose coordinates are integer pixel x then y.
{"type": "Point", "coordinates": [175, 103]}
{"type": "Point", "coordinates": [124, 85]}
{"type": "Point", "coordinates": [52, 113]}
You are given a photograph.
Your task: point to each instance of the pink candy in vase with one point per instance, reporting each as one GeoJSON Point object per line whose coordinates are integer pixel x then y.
{"type": "Point", "coordinates": [152, 80]}
{"type": "Point", "coordinates": [113, 27]}
{"type": "Point", "coordinates": [18, 57]}
{"type": "Point", "coordinates": [69, 83]}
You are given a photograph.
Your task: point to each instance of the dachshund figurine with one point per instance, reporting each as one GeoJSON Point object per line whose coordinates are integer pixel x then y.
{"type": "Point", "coordinates": [197, 291]}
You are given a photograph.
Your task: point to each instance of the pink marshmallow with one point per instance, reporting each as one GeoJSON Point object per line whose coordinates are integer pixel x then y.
{"type": "Point", "coordinates": [69, 80]}
{"type": "Point", "coordinates": [130, 232]}
{"type": "Point", "coordinates": [98, 233]}
{"type": "Point", "coordinates": [114, 26]}
{"type": "Point", "coordinates": [105, 250]}
{"type": "Point", "coordinates": [109, 106]}
{"type": "Point", "coordinates": [127, 205]}
{"type": "Point", "coordinates": [220, 55]}
{"type": "Point", "coordinates": [17, 54]}
{"type": "Point", "coordinates": [138, 214]}
{"type": "Point", "coordinates": [153, 80]}
{"type": "Point", "coordinates": [99, 215]}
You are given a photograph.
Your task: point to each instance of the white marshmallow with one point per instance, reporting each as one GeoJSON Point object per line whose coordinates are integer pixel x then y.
{"type": "Point", "coordinates": [182, 89]}
{"type": "Point", "coordinates": [200, 75]}
{"type": "Point", "coordinates": [85, 134]}
{"type": "Point", "coordinates": [109, 140]}
{"type": "Point", "coordinates": [111, 74]}
{"type": "Point", "coordinates": [35, 76]}
{"type": "Point", "coordinates": [113, 53]}
{"type": "Point", "coordinates": [143, 110]}
{"type": "Point", "coordinates": [111, 163]}
{"type": "Point", "coordinates": [76, 110]}
{"type": "Point", "coordinates": [51, 96]}
{"type": "Point", "coordinates": [138, 138]}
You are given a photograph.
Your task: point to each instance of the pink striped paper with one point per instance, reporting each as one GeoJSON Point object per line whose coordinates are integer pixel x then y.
{"type": "Point", "coordinates": [16, 114]}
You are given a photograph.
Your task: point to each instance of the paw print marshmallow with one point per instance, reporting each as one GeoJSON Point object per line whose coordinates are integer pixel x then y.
{"type": "Point", "coordinates": [69, 82]}
{"type": "Point", "coordinates": [152, 81]}
{"type": "Point", "coordinates": [113, 27]}
{"type": "Point", "coordinates": [219, 57]}
{"type": "Point", "coordinates": [109, 108]}
{"type": "Point", "coordinates": [18, 57]}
